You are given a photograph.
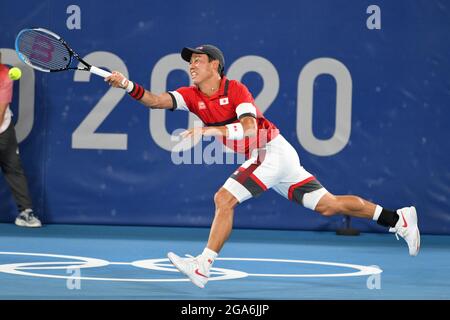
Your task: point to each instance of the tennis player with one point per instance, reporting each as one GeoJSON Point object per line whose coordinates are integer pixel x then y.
{"type": "Point", "coordinates": [228, 110]}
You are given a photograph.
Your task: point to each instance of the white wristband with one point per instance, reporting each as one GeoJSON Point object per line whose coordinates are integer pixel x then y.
{"type": "Point", "coordinates": [235, 131]}
{"type": "Point", "coordinates": [130, 86]}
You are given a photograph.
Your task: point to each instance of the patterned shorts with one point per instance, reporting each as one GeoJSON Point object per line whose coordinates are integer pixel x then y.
{"type": "Point", "coordinates": [276, 166]}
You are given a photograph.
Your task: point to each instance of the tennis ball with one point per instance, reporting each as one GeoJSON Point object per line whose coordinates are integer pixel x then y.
{"type": "Point", "coordinates": [14, 73]}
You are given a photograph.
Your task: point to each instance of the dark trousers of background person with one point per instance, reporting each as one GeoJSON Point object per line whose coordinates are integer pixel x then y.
{"type": "Point", "coordinates": [12, 169]}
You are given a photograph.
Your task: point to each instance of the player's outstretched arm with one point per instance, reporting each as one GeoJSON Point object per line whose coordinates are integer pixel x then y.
{"type": "Point", "coordinates": [162, 101]}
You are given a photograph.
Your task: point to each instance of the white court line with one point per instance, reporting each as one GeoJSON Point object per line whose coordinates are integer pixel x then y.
{"type": "Point", "coordinates": [162, 265]}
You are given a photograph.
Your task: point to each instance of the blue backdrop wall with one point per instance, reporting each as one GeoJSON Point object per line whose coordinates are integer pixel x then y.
{"type": "Point", "coordinates": [361, 92]}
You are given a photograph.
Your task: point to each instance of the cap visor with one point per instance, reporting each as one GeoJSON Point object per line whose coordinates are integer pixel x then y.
{"type": "Point", "coordinates": [186, 53]}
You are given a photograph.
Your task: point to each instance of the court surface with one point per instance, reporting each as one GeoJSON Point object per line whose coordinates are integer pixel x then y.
{"type": "Point", "coordinates": [121, 262]}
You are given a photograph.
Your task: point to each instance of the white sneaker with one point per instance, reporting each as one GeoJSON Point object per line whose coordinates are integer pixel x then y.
{"type": "Point", "coordinates": [407, 228]}
{"type": "Point", "coordinates": [197, 269]}
{"type": "Point", "coordinates": [27, 219]}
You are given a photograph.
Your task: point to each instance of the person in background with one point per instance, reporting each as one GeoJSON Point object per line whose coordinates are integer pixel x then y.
{"type": "Point", "coordinates": [10, 163]}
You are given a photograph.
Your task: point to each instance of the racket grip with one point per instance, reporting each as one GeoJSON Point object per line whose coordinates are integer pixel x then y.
{"type": "Point", "coordinates": [99, 72]}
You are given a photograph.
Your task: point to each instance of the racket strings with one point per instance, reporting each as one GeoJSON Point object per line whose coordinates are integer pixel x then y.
{"type": "Point", "coordinates": [43, 50]}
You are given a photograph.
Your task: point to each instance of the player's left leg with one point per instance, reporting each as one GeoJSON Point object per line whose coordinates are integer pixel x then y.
{"type": "Point", "coordinates": [403, 221]}
{"type": "Point", "coordinates": [300, 186]}
{"type": "Point", "coordinates": [354, 206]}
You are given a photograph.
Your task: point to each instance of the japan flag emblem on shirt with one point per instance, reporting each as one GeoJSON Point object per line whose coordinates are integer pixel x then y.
{"type": "Point", "coordinates": [223, 101]}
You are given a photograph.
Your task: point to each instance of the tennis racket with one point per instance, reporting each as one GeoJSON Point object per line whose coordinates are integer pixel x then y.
{"type": "Point", "coordinates": [44, 50]}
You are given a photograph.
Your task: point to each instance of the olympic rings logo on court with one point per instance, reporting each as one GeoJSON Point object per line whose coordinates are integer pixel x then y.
{"type": "Point", "coordinates": [217, 274]}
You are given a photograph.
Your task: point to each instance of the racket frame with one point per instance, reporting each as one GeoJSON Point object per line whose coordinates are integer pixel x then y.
{"type": "Point", "coordinates": [72, 54]}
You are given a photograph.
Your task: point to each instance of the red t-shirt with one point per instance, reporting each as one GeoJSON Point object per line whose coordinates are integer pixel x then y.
{"type": "Point", "coordinates": [6, 85]}
{"type": "Point", "coordinates": [231, 102]}
{"type": "Point", "coordinates": [6, 93]}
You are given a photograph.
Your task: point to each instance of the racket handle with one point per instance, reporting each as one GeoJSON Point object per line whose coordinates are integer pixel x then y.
{"type": "Point", "coordinates": [99, 72]}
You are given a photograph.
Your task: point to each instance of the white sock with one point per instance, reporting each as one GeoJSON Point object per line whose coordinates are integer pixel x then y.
{"type": "Point", "coordinates": [209, 255]}
{"type": "Point", "coordinates": [377, 213]}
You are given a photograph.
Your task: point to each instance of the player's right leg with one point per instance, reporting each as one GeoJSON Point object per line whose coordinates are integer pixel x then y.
{"type": "Point", "coordinates": [255, 176]}
{"type": "Point", "coordinates": [197, 268]}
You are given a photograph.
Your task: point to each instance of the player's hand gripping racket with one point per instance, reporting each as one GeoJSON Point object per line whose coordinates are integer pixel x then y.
{"type": "Point", "coordinates": [44, 50]}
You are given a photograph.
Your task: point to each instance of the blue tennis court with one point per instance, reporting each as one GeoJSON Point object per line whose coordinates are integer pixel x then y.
{"type": "Point", "coordinates": [120, 262]}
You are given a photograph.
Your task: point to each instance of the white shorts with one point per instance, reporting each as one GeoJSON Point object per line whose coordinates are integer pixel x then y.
{"type": "Point", "coordinates": [276, 166]}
